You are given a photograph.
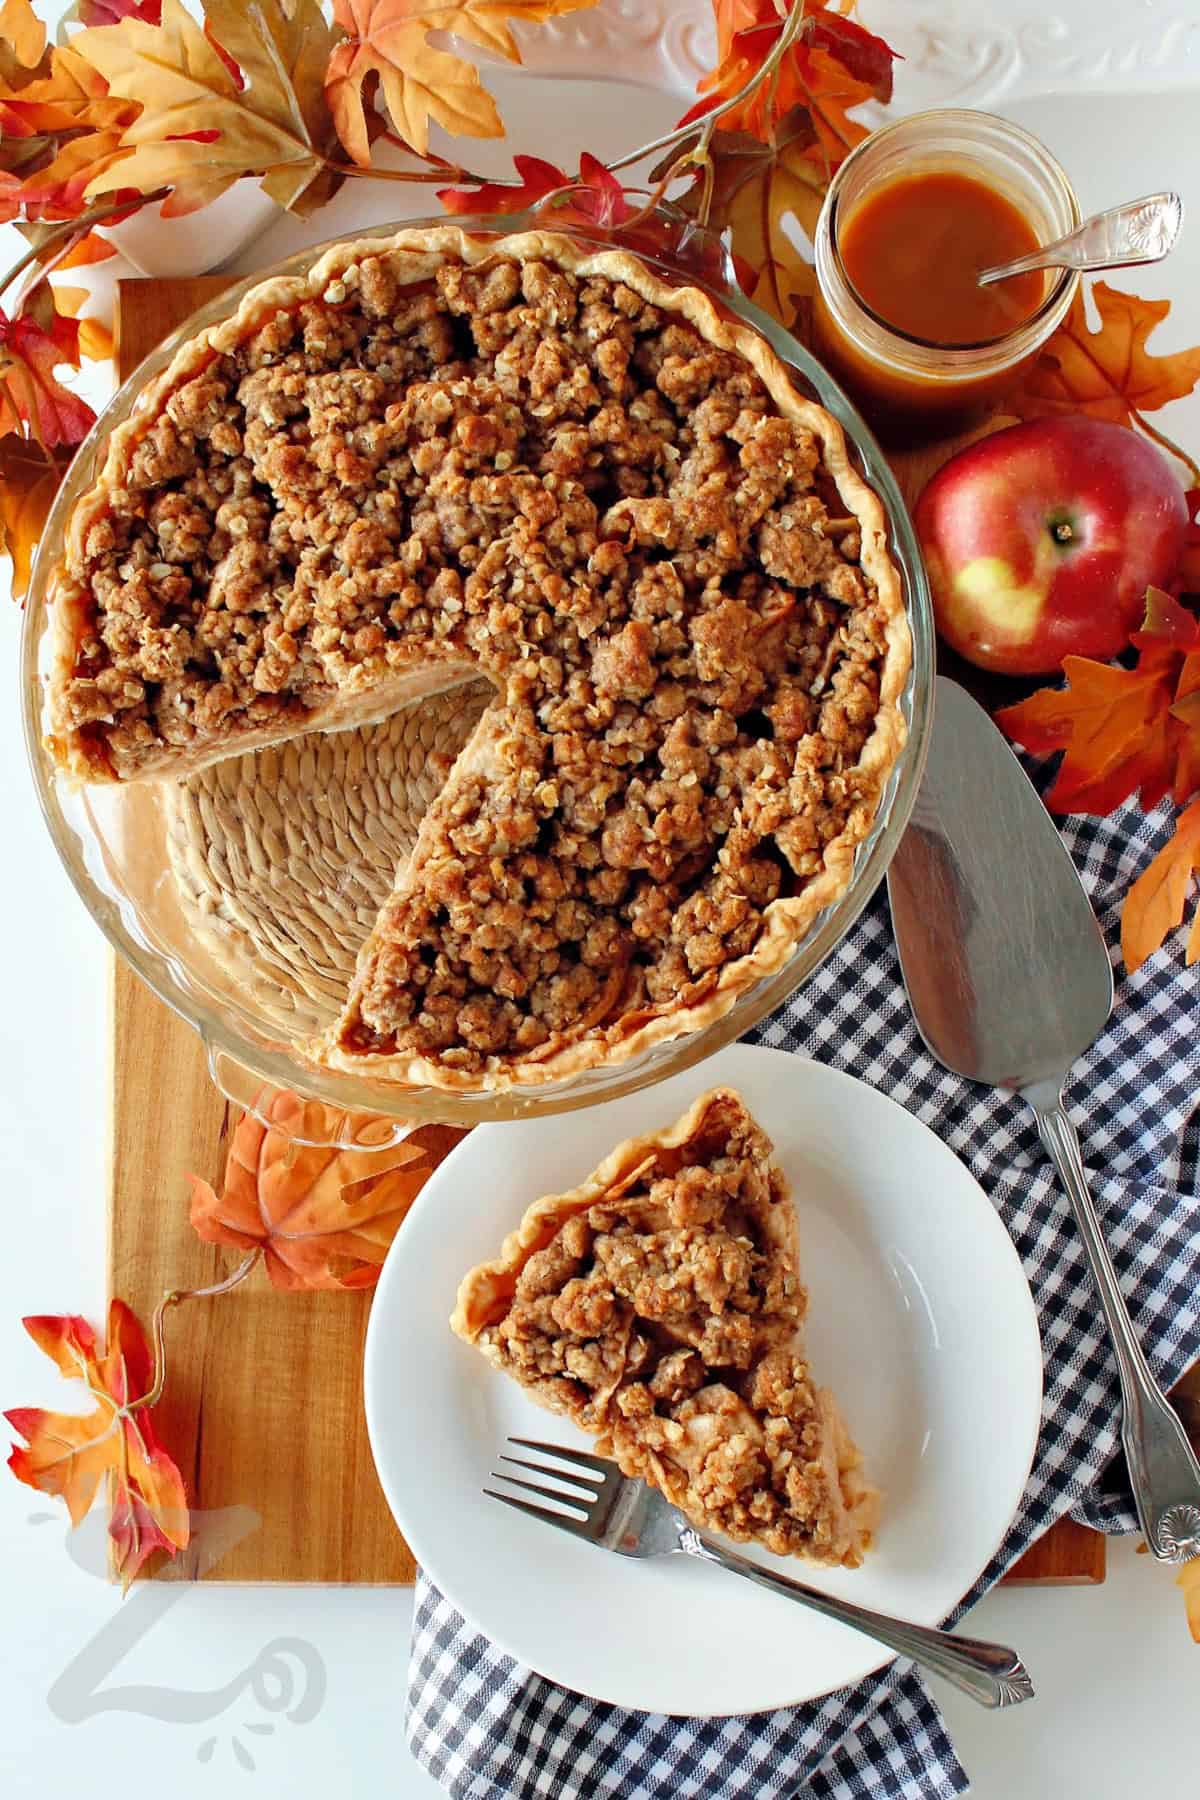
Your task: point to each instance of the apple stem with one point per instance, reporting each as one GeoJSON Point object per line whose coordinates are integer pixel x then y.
{"type": "Point", "coordinates": [1062, 533]}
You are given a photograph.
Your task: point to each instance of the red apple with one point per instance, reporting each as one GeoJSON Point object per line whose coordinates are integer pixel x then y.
{"type": "Point", "coordinates": [1041, 541]}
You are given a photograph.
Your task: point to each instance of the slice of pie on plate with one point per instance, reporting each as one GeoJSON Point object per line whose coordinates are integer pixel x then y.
{"type": "Point", "coordinates": [658, 1306]}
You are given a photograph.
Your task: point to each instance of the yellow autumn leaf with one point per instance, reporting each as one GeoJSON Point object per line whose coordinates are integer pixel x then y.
{"type": "Point", "coordinates": [390, 39]}
{"type": "Point", "coordinates": [183, 86]}
{"type": "Point", "coordinates": [95, 337]}
{"type": "Point", "coordinates": [29, 480]}
{"type": "Point", "coordinates": [23, 31]}
{"type": "Point", "coordinates": [282, 48]}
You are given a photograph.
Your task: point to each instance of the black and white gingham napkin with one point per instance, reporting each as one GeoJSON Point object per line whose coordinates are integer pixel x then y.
{"type": "Point", "coordinates": [489, 1729]}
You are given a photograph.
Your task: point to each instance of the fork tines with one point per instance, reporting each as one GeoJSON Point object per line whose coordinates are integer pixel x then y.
{"type": "Point", "coordinates": [586, 1486]}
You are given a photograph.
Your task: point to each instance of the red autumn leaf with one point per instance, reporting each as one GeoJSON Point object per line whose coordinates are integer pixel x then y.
{"type": "Point", "coordinates": [111, 12]}
{"type": "Point", "coordinates": [599, 199]}
{"type": "Point", "coordinates": [863, 55]}
{"type": "Point", "coordinates": [30, 393]}
{"type": "Point", "coordinates": [1155, 903]}
{"type": "Point", "coordinates": [1113, 725]}
{"type": "Point", "coordinates": [593, 197]}
{"type": "Point", "coordinates": [537, 179]}
{"type": "Point", "coordinates": [69, 1454]}
{"type": "Point", "coordinates": [322, 1218]}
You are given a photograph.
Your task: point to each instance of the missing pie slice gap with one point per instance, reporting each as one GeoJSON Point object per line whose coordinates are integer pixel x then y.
{"type": "Point", "coordinates": [658, 1306]}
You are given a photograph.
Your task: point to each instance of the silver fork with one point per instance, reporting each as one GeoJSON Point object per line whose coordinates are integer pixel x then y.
{"type": "Point", "coordinates": [635, 1520]}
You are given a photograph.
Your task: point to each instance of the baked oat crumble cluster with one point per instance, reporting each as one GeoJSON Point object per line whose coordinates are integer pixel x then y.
{"type": "Point", "coordinates": [658, 1307]}
{"type": "Point", "coordinates": [538, 474]}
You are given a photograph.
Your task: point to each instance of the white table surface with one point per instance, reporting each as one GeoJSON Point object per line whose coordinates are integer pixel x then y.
{"type": "Point", "coordinates": [104, 1697]}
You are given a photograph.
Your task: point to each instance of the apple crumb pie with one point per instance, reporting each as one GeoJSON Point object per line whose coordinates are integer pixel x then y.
{"type": "Point", "coordinates": [434, 457]}
{"type": "Point", "coordinates": [658, 1306]}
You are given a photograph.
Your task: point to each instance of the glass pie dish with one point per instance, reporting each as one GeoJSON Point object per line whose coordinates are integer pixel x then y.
{"type": "Point", "coordinates": [120, 843]}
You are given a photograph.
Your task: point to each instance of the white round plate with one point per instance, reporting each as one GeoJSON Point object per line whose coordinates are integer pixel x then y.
{"type": "Point", "coordinates": [920, 1320]}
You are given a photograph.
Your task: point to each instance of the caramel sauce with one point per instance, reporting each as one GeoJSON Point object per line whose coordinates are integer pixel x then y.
{"type": "Point", "coordinates": [913, 250]}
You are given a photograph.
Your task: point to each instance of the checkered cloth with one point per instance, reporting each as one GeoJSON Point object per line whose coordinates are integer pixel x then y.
{"type": "Point", "coordinates": [491, 1730]}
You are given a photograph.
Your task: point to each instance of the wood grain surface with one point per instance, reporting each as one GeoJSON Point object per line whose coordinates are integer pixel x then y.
{"type": "Point", "coordinates": [263, 1406]}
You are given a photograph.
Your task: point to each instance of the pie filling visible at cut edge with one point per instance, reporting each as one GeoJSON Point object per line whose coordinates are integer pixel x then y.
{"type": "Point", "coordinates": [433, 457]}
{"type": "Point", "coordinates": [658, 1306]}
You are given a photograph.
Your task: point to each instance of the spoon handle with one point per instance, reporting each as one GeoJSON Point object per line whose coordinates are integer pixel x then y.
{"type": "Point", "coordinates": [1141, 231]}
{"type": "Point", "coordinates": [1163, 1469]}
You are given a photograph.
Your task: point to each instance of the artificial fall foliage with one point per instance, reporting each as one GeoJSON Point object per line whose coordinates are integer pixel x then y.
{"type": "Point", "coordinates": [1109, 373]}
{"type": "Point", "coordinates": [318, 1217]}
{"type": "Point", "coordinates": [389, 40]}
{"type": "Point", "coordinates": [139, 104]}
{"type": "Point", "coordinates": [29, 479]}
{"type": "Point", "coordinates": [592, 197]}
{"type": "Point", "coordinates": [71, 1455]}
{"type": "Point", "coordinates": [1126, 732]}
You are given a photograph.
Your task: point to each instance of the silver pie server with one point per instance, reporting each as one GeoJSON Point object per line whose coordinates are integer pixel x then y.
{"type": "Point", "coordinates": [1141, 231]}
{"type": "Point", "coordinates": [1010, 982]}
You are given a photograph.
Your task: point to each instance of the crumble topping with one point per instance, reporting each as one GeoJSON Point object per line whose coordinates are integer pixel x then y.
{"type": "Point", "coordinates": [541, 476]}
{"type": "Point", "coordinates": [663, 1318]}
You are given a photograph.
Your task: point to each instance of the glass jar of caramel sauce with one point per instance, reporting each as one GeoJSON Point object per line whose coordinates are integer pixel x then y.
{"type": "Point", "coordinates": [910, 219]}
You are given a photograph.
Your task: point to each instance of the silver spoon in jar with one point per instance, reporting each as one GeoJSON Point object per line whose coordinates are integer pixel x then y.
{"type": "Point", "coordinates": [1141, 231]}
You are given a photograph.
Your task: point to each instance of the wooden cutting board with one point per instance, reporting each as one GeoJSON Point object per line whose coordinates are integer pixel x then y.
{"type": "Point", "coordinates": [263, 1404]}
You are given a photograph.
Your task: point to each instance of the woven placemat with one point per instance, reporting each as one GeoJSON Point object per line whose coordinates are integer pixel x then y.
{"type": "Point", "coordinates": [283, 858]}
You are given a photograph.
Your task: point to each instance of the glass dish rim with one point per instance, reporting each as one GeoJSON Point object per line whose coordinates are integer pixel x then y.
{"type": "Point", "coordinates": [242, 1067]}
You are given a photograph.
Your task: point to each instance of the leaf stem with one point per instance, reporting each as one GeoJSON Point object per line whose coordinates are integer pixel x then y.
{"type": "Point", "coordinates": [176, 1297]}
{"type": "Point", "coordinates": [95, 215]}
{"type": "Point", "coordinates": [428, 176]}
{"type": "Point", "coordinates": [793, 25]}
{"type": "Point", "coordinates": [1167, 444]}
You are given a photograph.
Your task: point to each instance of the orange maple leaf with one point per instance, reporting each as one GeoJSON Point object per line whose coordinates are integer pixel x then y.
{"type": "Point", "coordinates": [1167, 622]}
{"type": "Point", "coordinates": [22, 32]}
{"type": "Point", "coordinates": [1108, 373]}
{"type": "Point", "coordinates": [1113, 726]}
{"type": "Point", "coordinates": [68, 1454]}
{"type": "Point", "coordinates": [29, 480]}
{"type": "Point", "coordinates": [321, 1218]}
{"type": "Point", "coordinates": [833, 64]}
{"type": "Point", "coordinates": [91, 248]}
{"type": "Point", "coordinates": [59, 131]}
{"type": "Point", "coordinates": [92, 337]}
{"type": "Point", "coordinates": [389, 39]}
{"type": "Point", "coordinates": [1188, 1579]}
{"type": "Point", "coordinates": [30, 392]}
{"type": "Point", "coordinates": [72, 96]}
{"type": "Point", "coordinates": [1155, 903]}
